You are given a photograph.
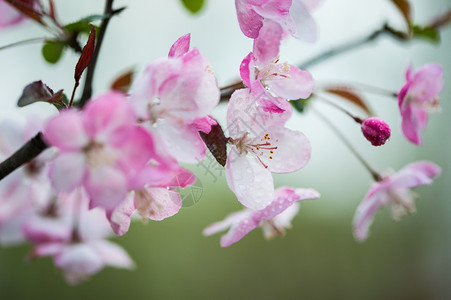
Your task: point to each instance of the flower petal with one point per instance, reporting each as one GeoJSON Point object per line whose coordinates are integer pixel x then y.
{"type": "Point", "coordinates": [288, 150]}
{"type": "Point", "coordinates": [365, 213]}
{"type": "Point", "coordinates": [298, 84]}
{"type": "Point", "coordinates": [251, 182]}
{"type": "Point", "coordinates": [67, 171]}
{"type": "Point", "coordinates": [181, 46]}
{"type": "Point", "coordinates": [266, 45]}
{"type": "Point", "coordinates": [66, 131]}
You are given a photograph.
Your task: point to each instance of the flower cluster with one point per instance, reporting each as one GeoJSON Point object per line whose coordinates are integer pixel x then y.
{"type": "Point", "coordinates": [120, 154]}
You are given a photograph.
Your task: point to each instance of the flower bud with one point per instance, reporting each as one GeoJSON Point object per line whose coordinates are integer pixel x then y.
{"type": "Point", "coordinates": [376, 131]}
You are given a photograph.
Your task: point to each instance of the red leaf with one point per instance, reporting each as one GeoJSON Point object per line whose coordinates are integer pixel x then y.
{"type": "Point", "coordinates": [123, 82]}
{"type": "Point", "coordinates": [216, 143]}
{"type": "Point", "coordinates": [39, 92]}
{"type": "Point", "coordinates": [26, 7]}
{"type": "Point", "coordinates": [347, 94]}
{"type": "Point", "coordinates": [405, 9]}
{"type": "Point", "coordinates": [86, 55]}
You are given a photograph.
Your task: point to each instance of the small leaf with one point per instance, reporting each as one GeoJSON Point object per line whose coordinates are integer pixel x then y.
{"type": "Point", "coordinates": [300, 104]}
{"type": "Point", "coordinates": [86, 55]}
{"type": "Point", "coordinates": [194, 6]}
{"type": "Point", "coordinates": [216, 143]}
{"type": "Point", "coordinates": [347, 94]}
{"type": "Point", "coordinates": [123, 82]}
{"type": "Point", "coordinates": [52, 51]}
{"type": "Point", "coordinates": [39, 92]}
{"type": "Point", "coordinates": [26, 7]}
{"type": "Point", "coordinates": [405, 8]}
{"type": "Point", "coordinates": [429, 33]}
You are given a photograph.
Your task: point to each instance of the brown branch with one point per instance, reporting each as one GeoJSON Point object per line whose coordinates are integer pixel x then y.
{"type": "Point", "coordinates": [36, 145]}
{"type": "Point", "coordinates": [26, 153]}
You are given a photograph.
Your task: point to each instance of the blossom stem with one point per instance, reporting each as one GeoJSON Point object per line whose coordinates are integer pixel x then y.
{"type": "Point", "coordinates": [376, 176]}
{"type": "Point", "coordinates": [87, 90]}
{"type": "Point", "coordinates": [23, 42]}
{"type": "Point", "coordinates": [384, 30]}
{"type": "Point", "coordinates": [331, 103]}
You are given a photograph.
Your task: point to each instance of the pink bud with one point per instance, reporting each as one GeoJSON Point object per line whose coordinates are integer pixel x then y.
{"type": "Point", "coordinates": [376, 131]}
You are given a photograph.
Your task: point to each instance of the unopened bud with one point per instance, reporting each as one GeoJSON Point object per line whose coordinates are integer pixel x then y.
{"type": "Point", "coordinates": [376, 131]}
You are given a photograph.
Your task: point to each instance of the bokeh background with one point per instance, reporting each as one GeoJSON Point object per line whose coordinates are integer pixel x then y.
{"type": "Point", "coordinates": [318, 258]}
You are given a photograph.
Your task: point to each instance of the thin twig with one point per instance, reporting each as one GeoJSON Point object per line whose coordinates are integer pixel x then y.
{"type": "Point", "coordinates": [376, 175]}
{"type": "Point", "coordinates": [87, 90]}
{"type": "Point", "coordinates": [26, 153]}
{"type": "Point", "coordinates": [36, 145]}
{"type": "Point", "coordinates": [24, 42]}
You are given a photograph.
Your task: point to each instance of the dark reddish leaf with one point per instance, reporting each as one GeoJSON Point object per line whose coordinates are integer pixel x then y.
{"type": "Point", "coordinates": [351, 96]}
{"type": "Point", "coordinates": [216, 143]}
{"type": "Point", "coordinates": [38, 91]}
{"type": "Point", "coordinates": [26, 7]}
{"type": "Point", "coordinates": [405, 9]}
{"type": "Point", "coordinates": [123, 82]}
{"type": "Point", "coordinates": [86, 55]}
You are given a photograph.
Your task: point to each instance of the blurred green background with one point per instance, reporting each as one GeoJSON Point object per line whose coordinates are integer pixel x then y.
{"type": "Point", "coordinates": [318, 258]}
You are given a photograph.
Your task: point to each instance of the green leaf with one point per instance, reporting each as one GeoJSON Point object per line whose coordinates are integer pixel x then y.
{"type": "Point", "coordinates": [52, 51]}
{"type": "Point", "coordinates": [301, 104]}
{"type": "Point", "coordinates": [194, 6]}
{"type": "Point", "coordinates": [428, 33]}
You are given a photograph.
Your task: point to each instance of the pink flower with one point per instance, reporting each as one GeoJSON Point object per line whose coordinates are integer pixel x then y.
{"type": "Point", "coordinates": [100, 148]}
{"type": "Point", "coordinates": [393, 191]}
{"type": "Point", "coordinates": [261, 145]}
{"type": "Point", "coordinates": [26, 188]}
{"type": "Point", "coordinates": [293, 16]}
{"type": "Point", "coordinates": [76, 240]}
{"type": "Point", "coordinates": [273, 219]}
{"type": "Point", "coordinates": [173, 96]}
{"type": "Point", "coordinates": [418, 97]}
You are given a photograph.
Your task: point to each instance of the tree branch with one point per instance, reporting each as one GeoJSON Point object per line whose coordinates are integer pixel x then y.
{"type": "Point", "coordinates": [26, 153]}
{"type": "Point", "coordinates": [36, 145]}
{"type": "Point", "coordinates": [87, 90]}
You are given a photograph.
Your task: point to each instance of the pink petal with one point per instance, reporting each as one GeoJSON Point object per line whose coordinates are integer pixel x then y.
{"type": "Point", "coordinates": [112, 254]}
{"type": "Point", "coordinates": [120, 217]}
{"type": "Point", "coordinates": [9, 16]}
{"type": "Point", "coordinates": [289, 150]}
{"type": "Point", "coordinates": [284, 198]}
{"type": "Point", "coordinates": [78, 261]}
{"type": "Point", "coordinates": [66, 131]}
{"type": "Point", "coordinates": [266, 45]}
{"type": "Point", "coordinates": [251, 182]}
{"type": "Point", "coordinates": [365, 213]}
{"type": "Point", "coordinates": [105, 114]}
{"type": "Point", "coordinates": [414, 120]}
{"type": "Point", "coordinates": [181, 46]}
{"type": "Point", "coordinates": [106, 187]}
{"type": "Point", "coordinates": [304, 26]}
{"type": "Point", "coordinates": [298, 85]}
{"type": "Point", "coordinates": [182, 142]}
{"type": "Point", "coordinates": [247, 70]}
{"type": "Point", "coordinates": [238, 230]}
{"type": "Point", "coordinates": [250, 22]}
{"type": "Point", "coordinates": [41, 229]}
{"type": "Point", "coordinates": [204, 124]}
{"type": "Point", "coordinates": [245, 115]}
{"type": "Point", "coordinates": [415, 174]}
{"type": "Point", "coordinates": [68, 171]}
{"type": "Point", "coordinates": [158, 203]}
{"type": "Point", "coordinates": [427, 83]}
{"type": "Point", "coordinates": [227, 222]}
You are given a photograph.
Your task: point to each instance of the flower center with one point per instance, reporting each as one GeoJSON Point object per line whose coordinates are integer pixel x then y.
{"type": "Point", "coordinates": [98, 155]}
{"type": "Point", "coordinates": [264, 148]}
